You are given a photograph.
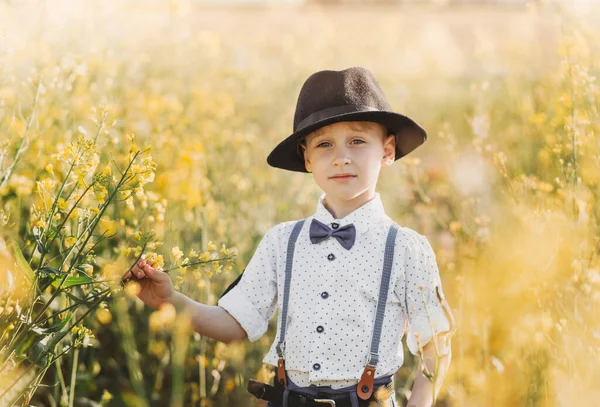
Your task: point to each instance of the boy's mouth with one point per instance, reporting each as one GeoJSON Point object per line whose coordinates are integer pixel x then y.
{"type": "Point", "coordinates": [342, 177]}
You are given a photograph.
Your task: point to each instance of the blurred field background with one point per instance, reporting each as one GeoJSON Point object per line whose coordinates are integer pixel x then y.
{"type": "Point", "coordinates": [506, 188]}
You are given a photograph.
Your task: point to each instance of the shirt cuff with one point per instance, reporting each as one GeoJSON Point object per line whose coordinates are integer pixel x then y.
{"type": "Point", "coordinates": [440, 322]}
{"type": "Point", "coordinates": [239, 306]}
{"type": "Point", "coordinates": [422, 329]}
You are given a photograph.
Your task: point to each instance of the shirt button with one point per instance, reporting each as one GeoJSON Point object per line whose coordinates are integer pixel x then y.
{"type": "Point", "coordinates": [320, 329]}
{"type": "Point", "coordinates": [331, 256]}
{"type": "Point", "coordinates": [324, 294]}
{"type": "Point", "coordinates": [316, 366]}
{"type": "Point", "coordinates": [335, 225]}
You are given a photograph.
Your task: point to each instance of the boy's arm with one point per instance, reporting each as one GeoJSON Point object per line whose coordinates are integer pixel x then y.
{"type": "Point", "coordinates": [422, 391]}
{"type": "Point", "coordinates": [209, 320]}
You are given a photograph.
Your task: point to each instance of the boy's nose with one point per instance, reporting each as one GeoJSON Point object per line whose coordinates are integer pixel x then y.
{"type": "Point", "coordinates": [341, 157]}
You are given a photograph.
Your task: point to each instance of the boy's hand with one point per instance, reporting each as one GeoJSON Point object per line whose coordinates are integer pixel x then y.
{"type": "Point", "coordinates": [156, 285]}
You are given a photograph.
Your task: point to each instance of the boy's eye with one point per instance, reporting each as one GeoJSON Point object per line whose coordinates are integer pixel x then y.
{"type": "Point", "coordinates": [327, 142]}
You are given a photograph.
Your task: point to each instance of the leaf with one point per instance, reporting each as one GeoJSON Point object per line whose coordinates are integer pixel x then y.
{"type": "Point", "coordinates": [38, 354]}
{"type": "Point", "coordinates": [40, 246]}
{"type": "Point", "coordinates": [57, 337]}
{"type": "Point", "coordinates": [71, 281]}
{"type": "Point", "coordinates": [54, 328]}
{"type": "Point", "coordinates": [51, 270]}
{"type": "Point", "coordinates": [21, 262]}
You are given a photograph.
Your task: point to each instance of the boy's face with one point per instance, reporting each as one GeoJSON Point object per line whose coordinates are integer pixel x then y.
{"type": "Point", "coordinates": [359, 149]}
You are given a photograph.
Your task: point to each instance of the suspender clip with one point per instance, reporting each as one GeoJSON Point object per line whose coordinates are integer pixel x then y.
{"type": "Point", "coordinates": [280, 349]}
{"type": "Point", "coordinates": [372, 359]}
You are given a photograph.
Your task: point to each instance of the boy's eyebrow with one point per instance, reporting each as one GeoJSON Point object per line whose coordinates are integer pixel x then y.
{"type": "Point", "coordinates": [354, 127]}
{"type": "Point", "coordinates": [314, 136]}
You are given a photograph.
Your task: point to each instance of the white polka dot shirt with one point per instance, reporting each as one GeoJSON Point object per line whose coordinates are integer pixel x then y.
{"type": "Point", "coordinates": [333, 297]}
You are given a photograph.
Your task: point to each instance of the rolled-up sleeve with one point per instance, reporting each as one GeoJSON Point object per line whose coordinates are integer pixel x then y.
{"type": "Point", "coordinates": [425, 304]}
{"type": "Point", "coordinates": [253, 300]}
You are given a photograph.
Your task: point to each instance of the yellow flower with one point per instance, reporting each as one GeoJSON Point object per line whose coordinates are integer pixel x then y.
{"type": "Point", "coordinates": [106, 397]}
{"type": "Point", "coordinates": [212, 246]}
{"type": "Point", "coordinates": [229, 385]}
{"type": "Point", "coordinates": [50, 168]}
{"type": "Point", "coordinates": [455, 226]}
{"type": "Point", "coordinates": [62, 204]}
{"type": "Point", "coordinates": [132, 289]}
{"type": "Point", "coordinates": [152, 258]}
{"type": "Point", "coordinates": [177, 253]}
{"type": "Point", "coordinates": [88, 268]}
{"type": "Point", "coordinates": [193, 253]}
{"type": "Point", "coordinates": [217, 267]}
{"type": "Point", "coordinates": [225, 251]}
{"type": "Point", "coordinates": [48, 183]}
{"type": "Point", "coordinates": [163, 317]}
{"type": "Point", "coordinates": [204, 257]}
{"type": "Point", "coordinates": [101, 193]}
{"type": "Point", "coordinates": [104, 316]}
{"type": "Point", "coordinates": [70, 241]}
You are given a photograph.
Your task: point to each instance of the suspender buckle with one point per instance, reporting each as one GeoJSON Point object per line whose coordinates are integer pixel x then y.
{"type": "Point", "coordinates": [280, 349]}
{"type": "Point", "coordinates": [372, 359]}
{"type": "Point", "coordinates": [326, 401]}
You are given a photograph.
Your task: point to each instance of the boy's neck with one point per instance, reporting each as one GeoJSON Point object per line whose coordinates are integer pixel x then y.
{"type": "Point", "coordinates": [340, 208]}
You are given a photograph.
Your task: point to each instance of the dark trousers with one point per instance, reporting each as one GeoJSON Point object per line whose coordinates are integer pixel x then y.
{"type": "Point", "coordinates": [294, 387]}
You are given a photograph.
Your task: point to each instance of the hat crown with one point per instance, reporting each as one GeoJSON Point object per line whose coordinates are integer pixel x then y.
{"type": "Point", "coordinates": [355, 86]}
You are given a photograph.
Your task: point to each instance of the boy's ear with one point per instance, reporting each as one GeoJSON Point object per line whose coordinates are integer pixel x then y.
{"type": "Point", "coordinates": [306, 159]}
{"type": "Point", "coordinates": [389, 150]}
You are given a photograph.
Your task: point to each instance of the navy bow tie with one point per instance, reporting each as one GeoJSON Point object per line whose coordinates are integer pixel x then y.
{"type": "Point", "coordinates": [345, 234]}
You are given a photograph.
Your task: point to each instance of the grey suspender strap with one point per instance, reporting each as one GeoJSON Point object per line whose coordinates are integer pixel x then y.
{"type": "Point", "coordinates": [365, 385]}
{"type": "Point", "coordinates": [286, 293]}
{"type": "Point", "coordinates": [388, 261]}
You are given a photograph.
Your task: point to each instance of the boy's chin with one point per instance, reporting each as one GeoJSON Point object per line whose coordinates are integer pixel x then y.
{"type": "Point", "coordinates": [340, 194]}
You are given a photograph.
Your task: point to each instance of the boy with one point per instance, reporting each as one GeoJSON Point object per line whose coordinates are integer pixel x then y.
{"type": "Point", "coordinates": [344, 317]}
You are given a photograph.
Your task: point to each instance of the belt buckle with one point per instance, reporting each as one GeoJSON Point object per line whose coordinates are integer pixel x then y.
{"type": "Point", "coordinates": [326, 401]}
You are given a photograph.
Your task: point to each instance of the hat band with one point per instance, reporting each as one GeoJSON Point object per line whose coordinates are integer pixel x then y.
{"type": "Point", "coordinates": [331, 112]}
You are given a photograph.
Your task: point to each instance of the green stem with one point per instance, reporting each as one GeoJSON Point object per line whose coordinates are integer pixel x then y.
{"type": "Point", "coordinates": [72, 306]}
{"type": "Point", "coordinates": [73, 377]}
{"type": "Point", "coordinates": [61, 379]}
{"type": "Point", "coordinates": [131, 353]}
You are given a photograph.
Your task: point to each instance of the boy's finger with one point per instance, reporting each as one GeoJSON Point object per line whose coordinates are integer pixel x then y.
{"type": "Point", "coordinates": [136, 271]}
{"type": "Point", "coordinates": [150, 272]}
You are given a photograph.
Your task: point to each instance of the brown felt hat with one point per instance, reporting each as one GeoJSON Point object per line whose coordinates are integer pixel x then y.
{"type": "Point", "coordinates": [349, 95]}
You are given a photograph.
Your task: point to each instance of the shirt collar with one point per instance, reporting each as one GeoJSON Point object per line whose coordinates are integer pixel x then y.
{"type": "Point", "coordinates": [362, 218]}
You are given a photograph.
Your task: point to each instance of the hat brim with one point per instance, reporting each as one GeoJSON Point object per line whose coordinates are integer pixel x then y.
{"type": "Point", "coordinates": [409, 136]}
